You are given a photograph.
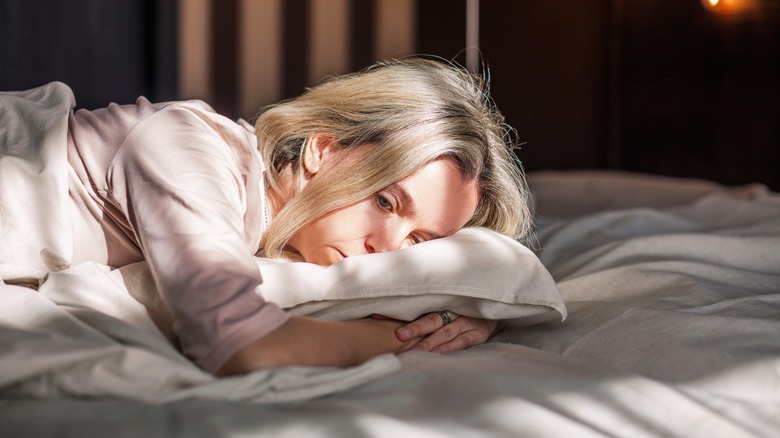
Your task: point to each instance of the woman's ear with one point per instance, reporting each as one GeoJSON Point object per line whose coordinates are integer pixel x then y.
{"type": "Point", "coordinates": [317, 150]}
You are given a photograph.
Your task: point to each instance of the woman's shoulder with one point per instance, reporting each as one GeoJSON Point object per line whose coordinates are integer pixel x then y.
{"type": "Point", "coordinates": [116, 118]}
{"type": "Point", "coordinates": [179, 131]}
{"type": "Point", "coordinates": [199, 115]}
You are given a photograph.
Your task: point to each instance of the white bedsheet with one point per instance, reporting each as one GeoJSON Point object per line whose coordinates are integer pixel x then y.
{"type": "Point", "coordinates": [673, 293]}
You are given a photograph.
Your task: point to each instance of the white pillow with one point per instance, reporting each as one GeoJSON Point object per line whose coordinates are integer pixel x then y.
{"type": "Point", "coordinates": [475, 272]}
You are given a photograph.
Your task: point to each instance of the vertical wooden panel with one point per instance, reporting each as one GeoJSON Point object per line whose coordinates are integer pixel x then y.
{"type": "Point", "coordinates": [224, 56]}
{"type": "Point", "coordinates": [614, 114]}
{"type": "Point", "coordinates": [195, 49]}
{"type": "Point", "coordinates": [164, 47]}
{"type": "Point", "coordinates": [472, 36]}
{"type": "Point", "coordinates": [261, 55]}
{"type": "Point", "coordinates": [295, 37]}
{"type": "Point", "coordinates": [328, 39]}
{"type": "Point", "coordinates": [362, 33]}
{"type": "Point", "coordinates": [441, 28]}
{"type": "Point", "coordinates": [396, 28]}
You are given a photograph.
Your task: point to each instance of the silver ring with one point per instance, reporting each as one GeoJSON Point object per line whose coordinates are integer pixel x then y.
{"type": "Point", "coordinates": [446, 318]}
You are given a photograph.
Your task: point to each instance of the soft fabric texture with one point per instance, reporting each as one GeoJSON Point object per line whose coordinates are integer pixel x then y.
{"type": "Point", "coordinates": [90, 320]}
{"type": "Point", "coordinates": [122, 201]}
{"type": "Point", "coordinates": [475, 272]}
{"type": "Point", "coordinates": [35, 228]}
{"type": "Point", "coordinates": [172, 183]}
{"type": "Point", "coordinates": [109, 173]}
{"type": "Point", "coordinates": [673, 329]}
{"type": "Point", "coordinates": [98, 332]}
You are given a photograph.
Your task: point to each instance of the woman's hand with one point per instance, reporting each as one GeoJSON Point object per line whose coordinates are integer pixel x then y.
{"type": "Point", "coordinates": [462, 332]}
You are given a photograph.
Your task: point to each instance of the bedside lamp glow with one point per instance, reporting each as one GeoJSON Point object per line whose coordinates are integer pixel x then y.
{"type": "Point", "coordinates": [730, 6]}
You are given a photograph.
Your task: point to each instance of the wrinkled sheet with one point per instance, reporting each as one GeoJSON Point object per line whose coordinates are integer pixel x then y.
{"type": "Point", "coordinates": [78, 330]}
{"type": "Point", "coordinates": [83, 333]}
{"type": "Point", "coordinates": [673, 294]}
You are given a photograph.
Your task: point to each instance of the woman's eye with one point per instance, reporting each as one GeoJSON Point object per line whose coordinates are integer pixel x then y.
{"type": "Point", "coordinates": [384, 203]}
{"type": "Point", "coordinates": [417, 239]}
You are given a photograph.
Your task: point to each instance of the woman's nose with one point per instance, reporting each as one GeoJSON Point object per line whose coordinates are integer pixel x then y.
{"type": "Point", "coordinates": [385, 240]}
{"type": "Point", "coordinates": [376, 245]}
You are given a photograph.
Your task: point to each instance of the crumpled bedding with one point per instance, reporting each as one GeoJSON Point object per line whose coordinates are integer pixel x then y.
{"type": "Point", "coordinates": [92, 331]}
{"type": "Point", "coordinates": [82, 336]}
{"type": "Point", "coordinates": [673, 292]}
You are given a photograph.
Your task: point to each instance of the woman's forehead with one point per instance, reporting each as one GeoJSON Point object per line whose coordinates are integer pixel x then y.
{"type": "Point", "coordinates": [440, 196]}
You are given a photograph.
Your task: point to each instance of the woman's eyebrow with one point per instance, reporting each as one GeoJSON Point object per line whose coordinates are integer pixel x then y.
{"type": "Point", "coordinates": [406, 198]}
{"type": "Point", "coordinates": [410, 207]}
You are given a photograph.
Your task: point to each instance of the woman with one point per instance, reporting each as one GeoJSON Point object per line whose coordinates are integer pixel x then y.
{"type": "Point", "coordinates": [403, 152]}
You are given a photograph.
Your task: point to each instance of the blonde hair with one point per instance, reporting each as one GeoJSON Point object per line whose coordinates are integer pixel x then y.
{"type": "Point", "coordinates": [412, 111]}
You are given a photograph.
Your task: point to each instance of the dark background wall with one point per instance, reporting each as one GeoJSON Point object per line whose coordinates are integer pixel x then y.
{"type": "Point", "coordinates": [106, 50]}
{"type": "Point", "coordinates": [699, 93]}
{"type": "Point", "coordinates": [658, 86]}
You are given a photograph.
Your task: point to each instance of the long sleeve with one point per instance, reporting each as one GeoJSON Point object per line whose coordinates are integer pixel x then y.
{"type": "Point", "coordinates": [180, 185]}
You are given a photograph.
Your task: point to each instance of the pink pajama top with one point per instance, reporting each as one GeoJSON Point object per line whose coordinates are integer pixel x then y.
{"type": "Point", "coordinates": [181, 187]}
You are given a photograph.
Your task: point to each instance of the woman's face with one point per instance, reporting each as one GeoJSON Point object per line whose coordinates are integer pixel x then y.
{"type": "Point", "coordinates": [430, 203]}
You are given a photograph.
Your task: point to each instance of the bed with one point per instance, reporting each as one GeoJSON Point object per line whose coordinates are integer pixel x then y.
{"type": "Point", "coordinates": [673, 329]}
{"type": "Point", "coordinates": [642, 306]}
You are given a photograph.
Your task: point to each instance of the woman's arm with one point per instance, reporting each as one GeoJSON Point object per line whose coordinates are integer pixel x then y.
{"type": "Point", "coordinates": [179, 179]}
{"type": "Point", "coordinates": [312, 342]}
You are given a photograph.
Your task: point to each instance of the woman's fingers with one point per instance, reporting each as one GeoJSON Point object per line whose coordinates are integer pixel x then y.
{"type": "Point", "coordinates": [463, 341]}
{"type": "Point", "coordinates": [444, 335]}
{"type": "Point", "coordinates": [424, 325]}
{"type": "Point", "coordinates": [462, 333]}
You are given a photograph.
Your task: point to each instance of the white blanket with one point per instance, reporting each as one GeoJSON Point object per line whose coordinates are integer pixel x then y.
{"type": "Point", "coordinates": [673, 289]}
{"type": "Point", "coordinates": [673, 295]}
{"type": "Point", "coordinates": [92, 331]}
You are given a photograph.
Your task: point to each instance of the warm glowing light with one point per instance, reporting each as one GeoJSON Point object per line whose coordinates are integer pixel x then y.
{"type": "Point", "coordinates": [731, 6]}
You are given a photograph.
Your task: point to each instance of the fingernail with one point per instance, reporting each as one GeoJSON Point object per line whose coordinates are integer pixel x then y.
{"type": "Point", "coordinates": [418, 348]}
{"type": "Point", "coordinates": [404, 334]}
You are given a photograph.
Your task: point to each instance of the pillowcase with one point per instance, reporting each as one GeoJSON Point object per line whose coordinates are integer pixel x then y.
{"type": "Point", "coordinates": [475, 272]}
